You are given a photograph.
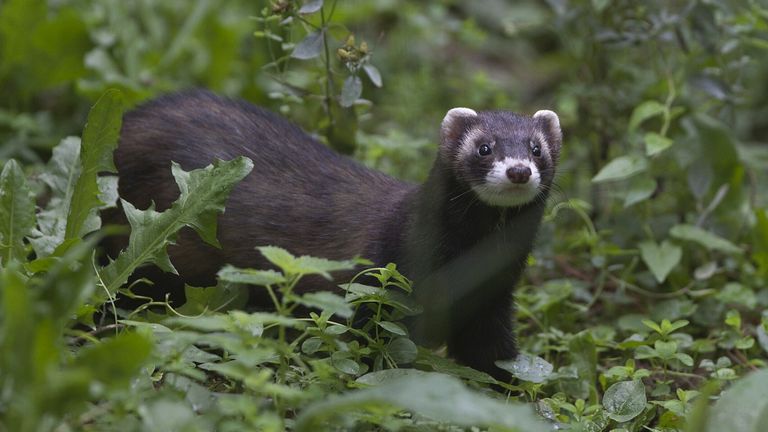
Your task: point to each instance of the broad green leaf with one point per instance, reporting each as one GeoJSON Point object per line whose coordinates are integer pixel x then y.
{"type": "Point", "coordinates": [625, 400]}
{"type": "Point", "coordinates": [655, 143]}
{"type": "Point", "coordinates": [99, 141]}
{"type": "Point", "coordinates": [527, 368]}
{"type": "Point", "coordinates": [435, 396]}
{"type": "Point", "coordinates": [327, 301]}
{"type": "Point", "coordinates": [743, 407]}
{"type": "Point", "coordinates": [311, 7]}
{"type": "Point", "coordinates": [351, 90]}
{"type": "Point", "coordinates": [621, 168]}
{"type": "Point", "coordinates": [640, 189]}
{"type": "Point", "coordinates": [644, 111]}
{"type": "Point", "coordinates": [386, 375]}
{"type": "Point", "coordinates": [250, 276]}
{"type": "Point", "coordinates": [114, 362]}
{"type": "Point", "coordinates": [203, 194]}
{"type": "Point", "coordinates": [449, 367]}
{"type": "Point", "coordinates": [310, 47]}
{"type": "Point", "coordinates": [660, 259]}
{"type": "Point", "coordinates": [704, 238]}
{"type": "Point", "coordinates": [341, 361]}
{"type": "Point", "coordinates": [17, 213]}
{"type": "Point", "coordinates": [402, 350]}
{"type": "Point", "coordinates": [392, 327]}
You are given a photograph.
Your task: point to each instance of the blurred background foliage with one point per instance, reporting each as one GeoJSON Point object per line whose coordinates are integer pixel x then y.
{"type": "Point", "coordinates": [660, 205]}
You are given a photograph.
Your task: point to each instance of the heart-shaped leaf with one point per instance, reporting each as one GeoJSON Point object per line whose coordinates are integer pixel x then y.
{"type": "Point", "coordinates": [660, 259]}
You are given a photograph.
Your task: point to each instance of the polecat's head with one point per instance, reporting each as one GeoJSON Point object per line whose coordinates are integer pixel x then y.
{"type": "Point", "coordinates": [506, 159]}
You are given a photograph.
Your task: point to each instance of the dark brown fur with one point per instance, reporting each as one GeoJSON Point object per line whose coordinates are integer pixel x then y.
{"type": "Point", "coordinates": [464, 256]}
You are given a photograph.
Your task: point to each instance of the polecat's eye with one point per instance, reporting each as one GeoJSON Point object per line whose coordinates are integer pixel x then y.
{"type": "Point", "coordinates": [535, 149]}
{"type": "Point", "coordinates": [484, 150]}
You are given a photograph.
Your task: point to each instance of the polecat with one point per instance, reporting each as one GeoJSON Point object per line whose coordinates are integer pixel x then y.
{"type": "Point", "coordinates": [463, 236]}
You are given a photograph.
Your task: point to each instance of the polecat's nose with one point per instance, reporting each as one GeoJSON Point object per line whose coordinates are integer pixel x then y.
{"type": "Point", "coordinates": [519, 174]}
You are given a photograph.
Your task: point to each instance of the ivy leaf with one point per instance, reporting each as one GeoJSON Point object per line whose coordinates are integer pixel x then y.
{"type": "Point", "coordinates": [704, 238]}
{"type": "Point", "coordinates": [625, 400]}
{"type": "Point", "coordinates": [100, 136]}
{"type": "Point", "coordinates": [621, 168]}
{"type": "Point", "coordinates": [203, 194]}
{"type": "Point", "coordinates": [310, 47]}
{"type": "Point", "coordinates": [351, 91]}
{"type": "Point", "coordinates": [660, 259]}
{"type": "Point", "coordinates": [17, 212]}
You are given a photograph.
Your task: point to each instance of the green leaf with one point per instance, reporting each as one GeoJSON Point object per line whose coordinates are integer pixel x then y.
{"type": "Point", "coordinates": [17, 213]}
{"type": "Point", "coordinates": [343, 363]}
{"type": "Point", "coordinates": [392, 327]}
{"type": "Point", "coordinates": [402, 350]}
{"type": "Point", "coordinates": [640, 189]}
{"type": "Point", "coordinates": [310, 47]}
{"type": "Point", "coordinates": [304, 265]}
{"type": "Point", "coordinates": [435, 396]}
{"type": "Point", "coordinates": [644, 111]}
{"type": "Point", "coordinates": [655, 143]}
{"type": "Point", "coordinates": [328, 302]}
{"type": "Point", "coordinates": [625, 400]}
{"type": "Point", "coordinates": [704, 238]}
{"type": "Point", "coordinates": [527, 368]}
{"type": "Point", "coordinates": [660, 259]}
{"type": "Point", "coordinates": [621, 168]}
{"type": "Point", "coordinates": [203, 194]}
{"type": "Point", "coordinates": [116, 360]}
{"type": "Point", "coordinates": [100, 136]}
{"type": "Point", "coordinates": [60, 176]}
{"type": "Point", "coordinates": [743, 407]}
{"type": "Point", "coordinates": [250, 276]}
{"type": "Point", "coordinates": [351, 90]}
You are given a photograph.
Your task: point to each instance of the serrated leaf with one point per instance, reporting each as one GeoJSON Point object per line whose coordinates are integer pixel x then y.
{"type": "Point", "coordinates": [328, 302]}
{"type": "Point", "coordinates": [527, 368]}
{"type": "Point", "coordinates": [621, 168]}
{"type": "Point", "coordinates": [431, 395]}
{"type": "Point", "coordinates": [644, 111]}
{"type": "Point", "coordinates": [373, 74]}
{"type": "Point", "coordinates": [250, 276]}
{"type": "Point", "coordinates": [660, 259]}
{"type": "Point", "coordinates": [304, 265]}
{"type": "Point", "coordinates": [625, 400]}
{"type": "Point", "coordinates": [203, 194]}
{"type": "Point", "coordinates": [351, 90]}
{"type": "Point", "coordinates": [100, 136]}
{"type": "Point", "coordinates": [61, 173]}
{"type": "Point", "coordinates": [655, 143]}
{"type": "Point", "coordinates": [311, 7]}
{"type": "Point", "coordinates": [17, 213]}
{"type": "Point", "coordinates": [704, 238]}
{"type": "Point", "coordinates": [310, 47]}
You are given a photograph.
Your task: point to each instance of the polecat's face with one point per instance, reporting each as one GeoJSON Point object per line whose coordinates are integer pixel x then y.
{"type": "Point", "coordinates": [506, 159]}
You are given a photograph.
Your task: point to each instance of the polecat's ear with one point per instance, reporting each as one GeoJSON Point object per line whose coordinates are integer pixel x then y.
{"type": "Point", "coordinates": [550, 123]}
{"type": "Point", "coordinates": [455, 122]}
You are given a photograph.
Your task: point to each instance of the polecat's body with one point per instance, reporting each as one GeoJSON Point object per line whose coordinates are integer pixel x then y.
{"type": "Point", "coordinates": [463, 236]}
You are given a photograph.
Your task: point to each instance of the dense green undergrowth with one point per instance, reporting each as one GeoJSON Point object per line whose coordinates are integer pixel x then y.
{"type": "Point", "coordinates": [645, 306]}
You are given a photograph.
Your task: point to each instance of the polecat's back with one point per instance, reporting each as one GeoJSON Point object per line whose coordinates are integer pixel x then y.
{"type": "Point", "coordinates": [300, 195]}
